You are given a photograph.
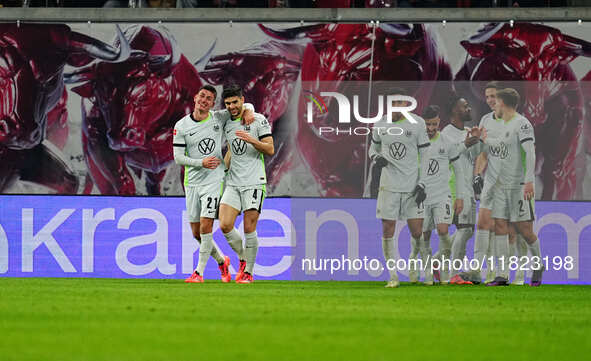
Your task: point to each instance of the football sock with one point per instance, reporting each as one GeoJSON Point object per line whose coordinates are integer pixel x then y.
{"type": "Point", "coordinates": [235, 242]}
{"type": "Point", "coordinates": [215, 252]}
{"type": "Point", "coordinates": [481, 245]}
{"type": "Point", "coordinates": [534, 249]}
{"type": "Point", "coordinates": [388, 249]}
{"type": "Point", "coordinates": [521, 246]}
{"type": "Point", "coordinates": [458, 248]}
{"type": "Point", "coordinates": [491, 253]}
{"type": "Point", "coordinates": [204, 251]}
{"type": "Point", "coordinates": [502, 248]}
{"type": "Point", "coordinates": [414, 252]}
{"type": "Point", "coordinates": [445, 245]}
{"type": "Point", "coordinates": [250, 251]}
{"type": "Point", "coordinates": [426, 254]}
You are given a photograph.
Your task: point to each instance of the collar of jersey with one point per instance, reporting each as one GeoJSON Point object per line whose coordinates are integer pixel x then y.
{"type": "Point", "coordinates": [460, 129]}
{"type": "Point", "coordinates": [398, 121]}
{"type": "Point", "coordinates": [435, 137]}
{"type": "Point", "coordinates": [514, 116]}
{"type": "Point", "coordinates": [237, 119]}
{"type": "Point", "coordinates": [200, 121]}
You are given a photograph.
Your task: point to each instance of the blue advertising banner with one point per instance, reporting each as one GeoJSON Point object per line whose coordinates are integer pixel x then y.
{"type": "Point", "coordinates": [299, 239]}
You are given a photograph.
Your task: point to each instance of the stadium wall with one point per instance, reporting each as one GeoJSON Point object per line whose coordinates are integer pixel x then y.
{"type": "Point", "coordinates": [278, 15]}
{"type": "Point", "coordinates": [84, 115]}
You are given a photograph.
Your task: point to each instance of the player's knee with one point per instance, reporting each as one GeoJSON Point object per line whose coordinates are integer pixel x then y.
{"type": "Point", "coordinates": [416, 234]}
{"type": "Point", "coordinates": [529, 235]}
{"type": "Point", "coordinates": [501, 228]}
{"type": "Point", "coordinates": [226, 227]}
{"type": "Point", "coordinates": [442, 230]}
{"type": "Point", "coordinates": [206, 228]}
{"type": "Point", "coordinates": [388, 229]}
{"type": "Point", "coordinates": [249, 228]}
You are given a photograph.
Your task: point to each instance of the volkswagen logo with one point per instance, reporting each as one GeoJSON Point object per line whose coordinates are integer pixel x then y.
{"type": "Point", "coordinates": [206, 146]}
{"type": "Point", "coordinates": [238, 146]}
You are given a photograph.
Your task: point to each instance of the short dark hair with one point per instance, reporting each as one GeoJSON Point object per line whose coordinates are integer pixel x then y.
{"type": "Point", "coordinates": [209, 88]}
{"type": "Point", "coordinates": [451, 104]}
{"type": "Point", "coordinates": [432, 111]}
{"type": "Point", "coordinates": [398, 91]}
{"type": "Point", "coordinates": [233, 90]}
{"type": "Point", "coordinates": [492, 85]}
{"type": "Point", "coordinates": [509, 96]}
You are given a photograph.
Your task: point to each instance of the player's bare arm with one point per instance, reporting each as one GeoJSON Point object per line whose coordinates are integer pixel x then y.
{"type": "Point", "coordinates": [264, 145]}
{"type": "Point", "coordinates": [247, 113]}
{"type": "Point", "coordinates": [530, 161]}
{"type": "Point", "coordinates": [211, 162]}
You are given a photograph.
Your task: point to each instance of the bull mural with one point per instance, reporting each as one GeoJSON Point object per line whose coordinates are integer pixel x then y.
{"type": "Point", "coordinates": [534, 59]}
{"type": "Point", "coordinates": [129, 109]}
{"type": "Point", "coordinates": [336, 56]}
{"type": "Point", "coordinates": [134, 89]}
{"type": "Point", "coordinates": [32, 60]}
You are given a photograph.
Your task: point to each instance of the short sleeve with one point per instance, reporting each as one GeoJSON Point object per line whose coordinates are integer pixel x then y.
{"type": "Point", "coordinates": [178, 137]}
{"type": "Point", "coordinates": [526, 131]}
{"type": "Point", "coordinates": [264, 128]}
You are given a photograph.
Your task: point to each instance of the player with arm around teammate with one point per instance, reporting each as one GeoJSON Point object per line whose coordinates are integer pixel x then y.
{"type": "Point", "coordinates": [514, 152]}
{"type": "Point", "coordinates": [246, 179]}
{"type": "Point", "coordinates": [442, 156]}
{"type": "Point", "coordinates": [197, 145]}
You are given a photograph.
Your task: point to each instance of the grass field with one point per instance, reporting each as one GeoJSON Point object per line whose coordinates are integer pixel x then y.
{"type": "Point", "coordinates": [108, 319]}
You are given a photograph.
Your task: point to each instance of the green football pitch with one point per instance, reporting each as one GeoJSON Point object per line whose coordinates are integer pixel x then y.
{"type": "Point", "coordinates": [109, 319]}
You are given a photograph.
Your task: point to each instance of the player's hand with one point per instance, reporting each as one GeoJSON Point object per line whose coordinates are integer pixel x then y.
{"type": "Point", "coordinates": [458, 206]}
{"type": "Point", "coordinates": [248, 117]}
{"type": "Point", "coordinates": [380, 161]}
{"type": "Point", "coordinates": [210, 162]}
{"type": "Point", "coordinates": [476, 131]}
{"type": "Point", "coordinates": [245, 136]}
{"type": "Point", "coordinates": [419, 194]}
{"type": "Point", "coordinates": [470, 140]}
{"type": "Point", "coordinates": [477, 183]}
{"type": "Point", "coordinates": [528, 191]}
{"type": "Point", "coordinates": [483, 134]}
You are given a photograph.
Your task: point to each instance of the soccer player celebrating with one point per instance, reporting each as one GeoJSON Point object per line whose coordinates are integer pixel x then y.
{"type": "Point", "coordinates": [442, 155]}
{"type": "Point", "coordinates": [396, 147]}
{"type": "Point", "coordinates": [484, 240]}
{"type": "Point", "coordinates": [197, 145]}
{"type": "Point", "coordinates": [467, 140]}
{"type": "Point", "coordinates": [245, 183]}
{"type": "Point", "coordinates": [514, 192]}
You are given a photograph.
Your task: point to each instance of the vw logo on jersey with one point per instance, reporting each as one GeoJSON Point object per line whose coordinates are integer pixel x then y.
{"type": "Point", "coordinates": [206, 146]}
{"type": "Point", "coordinates": [499, 151]}
{"type": "Point", "coordinates": [433, 167]}
{"type": "Point", "coordinates": [397, 150]}
{"type": "Point", "coordinates": [238, 146]}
